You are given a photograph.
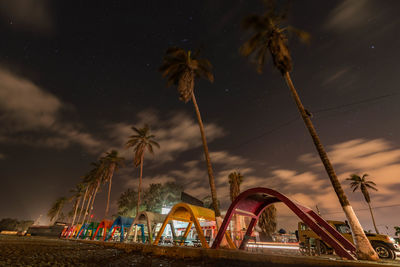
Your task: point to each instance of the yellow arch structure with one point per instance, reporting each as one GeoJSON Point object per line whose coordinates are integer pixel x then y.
{"type": "Point", "coordinates": [189, 213]}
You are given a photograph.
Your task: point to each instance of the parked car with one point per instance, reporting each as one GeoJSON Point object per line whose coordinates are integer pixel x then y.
{"type": "Point", "coordinates": [385, 246]}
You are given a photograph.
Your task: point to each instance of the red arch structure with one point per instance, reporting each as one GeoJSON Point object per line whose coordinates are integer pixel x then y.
{"type": "Point", "coordinates": [253, 201]}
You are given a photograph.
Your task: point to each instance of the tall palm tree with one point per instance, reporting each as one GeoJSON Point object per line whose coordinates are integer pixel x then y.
{"type": "Point", "coordinates": [181, 68]}
{"type": "Point", "coordinates": [56, 209]}
{"type": "Point", "coordinates": [141, 141]}
{"type": "Point", "coordinates": [95, 177]}
{"type": "Point", "coordinates": [99, 176]}
{"type": "Point", "coordinates": [86, 183]}
{"type": "Point", "coordinates": [112, 162]}
{"type": "Point", "coordinates": [364, 184]}
{"type": "Point", "coordinates": [269, 35]}
{"type": "Point", "coordinates": [77, 195]}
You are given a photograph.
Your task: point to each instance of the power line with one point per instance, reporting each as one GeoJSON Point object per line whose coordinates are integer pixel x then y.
{"type": "Point", "coordinates": [368, 100]}
{"type": "Point", "coordinates": [338, 212]}
{"type": "Point", "coordinates": [356, 103]}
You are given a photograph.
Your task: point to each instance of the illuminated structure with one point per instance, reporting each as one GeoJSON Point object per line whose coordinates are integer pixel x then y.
{"type": "Point", "coordinates": [102, 229]}
{"type": "Point", "coordinates": [148, 219]}
{"type": "Point", "coordinates": [192, 215]}
{"type": "Point", "coordinates": [252, 202]}
{"type": "Point", "coordinates": [122, 224]}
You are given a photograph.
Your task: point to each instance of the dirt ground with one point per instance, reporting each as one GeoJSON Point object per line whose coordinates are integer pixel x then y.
{"type": "Point", "coordinates": [45, 251]}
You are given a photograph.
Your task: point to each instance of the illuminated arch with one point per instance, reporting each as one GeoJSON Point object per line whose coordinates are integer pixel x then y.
{"type": "Point", "coordinates": [252, 202]}
{"type": "Point", "coordinates": [89, 230]}
{"type": "Point", "coordinates": [121, 223]}
{"type": "Point", "coordinates": [65, 231]}
{"type": "Point", "coordinates": [150, 220]}
{"type": "Point", "coordinates": [73, 231]}
{"type": "Point", "coordinates": [82, 230]}
{"type": "Point", "coordinates": [104, 225]}
{"type": "Point", "coordinates": [189, 213]}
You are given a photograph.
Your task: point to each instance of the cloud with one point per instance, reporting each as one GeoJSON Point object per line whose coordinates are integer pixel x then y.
{"type": "Point", "coordinates": [32, 116]}
{"type": "Point", "coordinates": [312, 187]}
{"type": "Point", "coordinates": [349, 15]}
{"type": "Point", "coordinates": [31, 15]}
{"type": "Point", "coordinates": [176, 133]}
{"type": "Point", "coordinates": [336, 75]}
{"type": "Point", "coordinates": [378, 157]}
{"type": "Point", "coordinates": [27, 105]}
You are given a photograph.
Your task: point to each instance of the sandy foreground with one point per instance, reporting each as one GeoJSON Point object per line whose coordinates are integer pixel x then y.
{"type": "Point", "coordinates": [44, 251]}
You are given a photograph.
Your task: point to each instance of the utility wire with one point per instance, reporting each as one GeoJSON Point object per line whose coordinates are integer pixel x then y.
{"type": "Point", "coordinates": [368, 100]}
{"type": "Point", "coordinates": [338, 212]}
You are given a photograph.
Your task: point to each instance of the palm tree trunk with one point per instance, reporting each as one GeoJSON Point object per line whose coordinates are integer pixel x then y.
{"type": "Point", "coordinates": [87, 207]}
{"type": "Point", "coordinates": [76, 210]}
{"type": "Point", "coordinates": [364, 248]}
{"type": "Point", "coordinates": [83, 204]}
{"type": "Point", "coordinates": [111, 173]}
{"type": "Point", "coordinates": [373, 219]}
{"type": "Point", "coordinates": [208, 161]}
{"type": "Point", "coordinates": [93, 199]}
{"type": "Point", "coordinates": [140, 183]}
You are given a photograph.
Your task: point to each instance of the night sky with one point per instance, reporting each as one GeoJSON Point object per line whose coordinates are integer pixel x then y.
{"type": "Point", "coordinates": [76, 75]}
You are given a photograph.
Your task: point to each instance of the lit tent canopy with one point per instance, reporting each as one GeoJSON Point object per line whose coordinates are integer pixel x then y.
{"type": "Point", "coordinates": [102, 229]}
{"type": "Point", "coordinates": [252, 203]}
{"type": "Point", "coordinates": [148, 219]}
{"type": "Point", "coordinates": [191, 214]}
{"type": "Point", "coordinates": [121, 223]}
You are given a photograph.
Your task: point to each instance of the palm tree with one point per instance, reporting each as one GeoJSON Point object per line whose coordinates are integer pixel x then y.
{"type": "Point", "coordinates": [235, 179]}
{"type": "Point", "coordinates": [267, 222]}
{"type": "Point", "coordinates": [364, 184]}
{"type": "Point", "coordinates": [181, 68]}
{"type": "Point", "coordinates": [112, 162]}
{"type": "Point", "coordinates": [99, 176]}
{"type": "Point", "coordinates": [95, 177]}
{"type": "Point", "coordinates": [77, 195]}
{"type": "Point", "coordinates": [56, 209]}
{"type": "Point", "coordinates": [269, 35]}
{"type": "Point", "coordinates": [86, 184]}
{"type": "Point", "coordinates": [140, 142]}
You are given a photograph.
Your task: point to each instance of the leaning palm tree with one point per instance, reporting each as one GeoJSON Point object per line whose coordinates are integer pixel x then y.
{"type": "Point", "coordinates": [141, 141]}
{"type": "Point", "coordinates": [112, 162]}
{"type": "Point", "coordinates": [270, 36]}
{"type": "Point", "coordinates": [95, 178]}
{"type": "Point", "coordinates": [77, 195]}
{"type": "Point", "coordinates": [56, 209]}
{"type": "Point", "coordinates": [181, 68]}
{"type": "Point", "coordinates": [364, 185]}
{"type": "Point", "coordinates": [100, 173]}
